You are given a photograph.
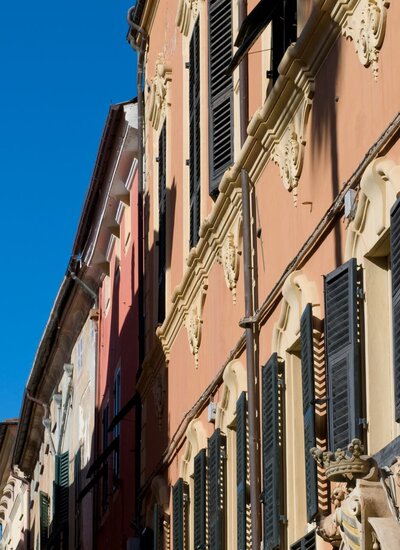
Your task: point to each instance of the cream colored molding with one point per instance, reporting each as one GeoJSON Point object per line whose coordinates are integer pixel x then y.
{"type": "Point", "coordinates": [187, 11]}
{"type": "Point", "coordinates": [379, 186]}
{"type": "Point", "coordinates": [194, 323]}
{"type": "Point", "coordinates": [158, 95]}
{"type": "Point", "coordinates": [235, 382]}
{"type": "Point", "coordinates": [196, 439]}
{"type": "Point", "coordinates": [229, 257]}
{"type": "Point", "coordinates": [297, 292]}
{"type": "Point", "coordinates": [366, 27]}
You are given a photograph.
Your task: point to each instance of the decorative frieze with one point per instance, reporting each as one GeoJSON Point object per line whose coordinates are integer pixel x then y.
{"type": "Point", "coordinates": [158, 92]}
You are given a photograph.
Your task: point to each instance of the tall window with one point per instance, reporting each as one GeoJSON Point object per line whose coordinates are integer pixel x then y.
{"type": "Point", "coordinates": [117, 429]}
{"type": "Point", "coordinates": [221, 90]}
{"type": "Point", "coordinates": [162, 220]}
{"type": "Point", "coordinates": [194, 110]}
{"type": "Point", "coordinates": [105, 467]}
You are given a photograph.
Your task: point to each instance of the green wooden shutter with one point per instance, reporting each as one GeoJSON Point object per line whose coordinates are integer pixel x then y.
{"type": "Point", "coordinates": [200, 499]}
{"type": "Point", "coordinates": [180, 495]}
{"type": "Point", "coordinates": [158, 532]}
{"type": "Point", "coordinates": [62, 488]}
{"type": "Point", "coordinates": [194, 117]}
{"type": "Point", "coordinates": [162, 220]}
{"type": "Point", "coordinates": [343, 354]}
{"type": "Point", "coordinates": [241, 471]}
{"type": "Point", "coordinates": [307, 376]}
{"type": "Point", "coordinates": [216, 490]}
{"type": "Point", "coordinates": [221, 90]}
{"type": "Point", "coordinates": [306, 543]}
{"type": "Point", "coordinates": [395, 261]}
{"type": "Point", "coordinates": [272, 467]}
{"type": "Point", "coordinates": [44, 518]}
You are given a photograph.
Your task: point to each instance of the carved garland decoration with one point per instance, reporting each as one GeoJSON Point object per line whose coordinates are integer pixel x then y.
{"type": "Point", "coordinates": [229, 258]}
{"type": "Point", "coordinates": [367, 30]}
{"type": "Point", "coordinates": [158, 92]}
{"type": "Point", "coordinates": [194, 324]}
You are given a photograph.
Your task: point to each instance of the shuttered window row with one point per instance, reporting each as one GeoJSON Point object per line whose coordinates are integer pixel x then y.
{"type": "Point", "coordinates": [162, 220]}
{"type": "Point", "coordinates": [194, 138]}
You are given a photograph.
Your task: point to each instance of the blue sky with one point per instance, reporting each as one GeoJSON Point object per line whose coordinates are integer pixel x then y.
{"type": "Point", "coordinates": [61, 64]}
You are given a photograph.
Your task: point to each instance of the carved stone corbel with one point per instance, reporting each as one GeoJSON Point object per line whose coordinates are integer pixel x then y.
{"type": "Point", "coordinates": [187, 10]}
{"type": "Point", "coordinates": [367, 28]}
{"type": "Point", "coordinates": [158, 92]}
{"type": "Point", "coordinates": [194, 323]}
{"type": "Point", "coordinates": [288, 153]}
{"type": "Point", "coordinates": [229, 258]}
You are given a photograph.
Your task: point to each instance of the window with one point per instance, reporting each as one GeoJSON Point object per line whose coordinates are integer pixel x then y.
{"type": "Point", "coordinates": [117, 429]}
{"type": "Point", "coordinates": [395, 263]}
{"type": "Point", "coordinates": [44, 518]}
{"type": "Point", "coordinates": [306, 543]}
{"type": "Point", "coordinates": [221, 90]}
{"type": "Point", "coordinates": [180, 511]}
{"type": "Point", "coordinates": [194, 138]}
{"type": "Point", "coordinates": [105, 467]}
{"type": "Point", "coordinates": [162, 221]}
{"type": "Point", "coordinates": [61, 489]}
{"type": "Point", "coordinates": [217, 490]}
{"type": "Point", "coordinates": [200, 500]}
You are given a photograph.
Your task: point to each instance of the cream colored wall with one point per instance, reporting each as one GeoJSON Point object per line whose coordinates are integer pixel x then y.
{"type": "Point", "coordinates": [14, 505]}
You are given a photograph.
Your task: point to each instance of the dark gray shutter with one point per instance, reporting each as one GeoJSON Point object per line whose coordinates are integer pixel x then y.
{"type": "Point", "coordinates": [221, 90]}
{"type": "Point", "coordinates": [162, 220]}
{"type": "Point", "coordinates": [180, 495]}
{"type": "Point", "coordinates": [272, 455]}
{"type": "Point", "coordinates": [44, 518]}
{"type": "Point", "coordinates": [216, 490]}
{"type": "Point", "coordinates": [306, 543]}
{"type": "Point", "coordinates": [395, 262]}
{"type": "Point", "coordinates": [194, 114]}
{"type": "Point", "coordinates": [157, 527]}
{"type": "Point", "coordinates": [200, 499]}
{"type": "Point", "coordinates": [241, 471]}
{"type": "Point", "coordinates": [343, 354]}
{"type": "Point", "coordinates": [307, 377]}
{"type": "Point", "coordinates": [62, 488]}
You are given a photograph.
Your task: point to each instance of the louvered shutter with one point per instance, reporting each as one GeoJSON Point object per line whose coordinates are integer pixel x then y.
{"type": "Point", "coordinates": [271, 454]}
{"type": "Point", "coordinates": [221, 90]}
{"type": "Point", "coordinates": [395, 261]}
{"type": "Point", "coordinates": [157, 527]}
{"type": "Point", "coordinates": [241, 470]}
{"type": "Point", "coordinates": [179, 520]}
{"type": "Point", "coordinates": [200, 497]}
{"type": "Point", "coordinates": [343, 357]}
{"type": "Point", "coordinates": [194, 114]}
{"type": "Point", "coordinates": [306, 543]}
{"type": "Point", "coordinates": [162, 221]}
{"type": "Point", "coordinates": [62, 488]}
{"type": "Point", "coordinates": [216, 490]}
{"type": "Point", "coordinates": [44, 518]}
{"type": "Point", "coordinates": [307, 376]}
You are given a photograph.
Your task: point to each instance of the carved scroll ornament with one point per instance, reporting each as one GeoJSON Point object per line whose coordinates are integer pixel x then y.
{"type": "Point", "coordinates": [229, 258]}
{"type": "Point", "coordinates": [158, 92]}
{"type": "Point", "coordinates": [194, 324]}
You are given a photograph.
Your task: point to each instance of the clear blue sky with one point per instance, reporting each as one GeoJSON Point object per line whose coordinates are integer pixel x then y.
{"type": "Point", "coordinates": [61, 64]}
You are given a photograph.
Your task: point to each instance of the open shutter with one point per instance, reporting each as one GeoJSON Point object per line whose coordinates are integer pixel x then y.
{"type": "Point", "coordinates": [194, 114]}
{"type": "Point", "coordinates": [342, 346]}
{"type": "Point", "coordinates": [62, 488]}
{"type": "Point", "coordinates": [306, 543]}
{"type": "Point", "coordinates": [271, 453]}
{"type": "Point", "coordinates": [307, 377]}
{"type": "Point", "coordinates": [157, 527]}
{"type": "Point", "coordinates": [216, 490]}
{"type": "Point", "coordinates": [200, 511]}
{"type": "Point", "coordinates": [395, 261]}
{"type": "Point", "coordinates": [162, 212]}
{"type": "Point", "coordinates": [180, 495]}
{"type": "Point", "coordinates": [241, 470]}
{"type": "Point", "coordinates": [44, 518]}
{"type": "Point", "coordinates": [221, 90]}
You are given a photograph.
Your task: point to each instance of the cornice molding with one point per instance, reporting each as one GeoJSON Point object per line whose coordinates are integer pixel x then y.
{"type": "Point", "coordinates": [187, 11]}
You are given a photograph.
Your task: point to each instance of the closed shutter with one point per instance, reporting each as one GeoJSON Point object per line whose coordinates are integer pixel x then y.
{"type": "Point", "coordinates": [307, 377]}
{"type": "Point", "coordinates": [194, 114]}
{"type": "Point", "coordinates": [162, 221]}
{"type": "Point", "coordinates": [180, 495]}
{"type": "Point", "coordinates": [343, 354]}
{"type": "Point", "coordinates": [241, 471]}
{"type": "Point", "coordinates": [158, 528]}
{"type": "Point", "coordinates": [44, 518]}
{"type": "Point", "coordinates": [62, 488]}
{"type": "Point", "coordinates": [200, 497]}
{"type": "Point", "coordinates": [306, 543]}
{"type": "Point", "coordinates": [216, 490]}
{"type": "Point", "coordinates": [221, 90]}
{"type": "Point", "coordinates": [272, 456]}
{"type": "Point", "coordinates": [395, 261]}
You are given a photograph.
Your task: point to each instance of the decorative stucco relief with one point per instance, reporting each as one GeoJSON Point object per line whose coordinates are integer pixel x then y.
{"type": "Point", "coordinates": [187, 10]}
{"type": "Point", "coordinates": [194, 324]}
{"type": "Point", "coordinates": [366, 27]}
{"type": "Point", "coordinates": [159, 391]}
{"type": "Point", "coordinates": [288, 153]}
{"type": "Point", "coordinates": [229, 258]}
{"type": "Point", "coordinates": [158, 92]}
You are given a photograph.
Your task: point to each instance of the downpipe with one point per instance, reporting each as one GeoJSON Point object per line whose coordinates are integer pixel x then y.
{"type": "Point", "coordinates": [46, 419]}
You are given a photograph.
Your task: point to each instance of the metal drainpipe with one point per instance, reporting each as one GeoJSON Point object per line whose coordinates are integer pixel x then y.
{"type": "Point", "coordinates": [140, 49]}
{"type": "Point", "coordinates": [27, 532]}
{"type": "Point", "coordinates": [251, 300]}
{"type": "Point", "coordinates": [85, 287]}
{"type": "Point", "coordinates": [45, 418]}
